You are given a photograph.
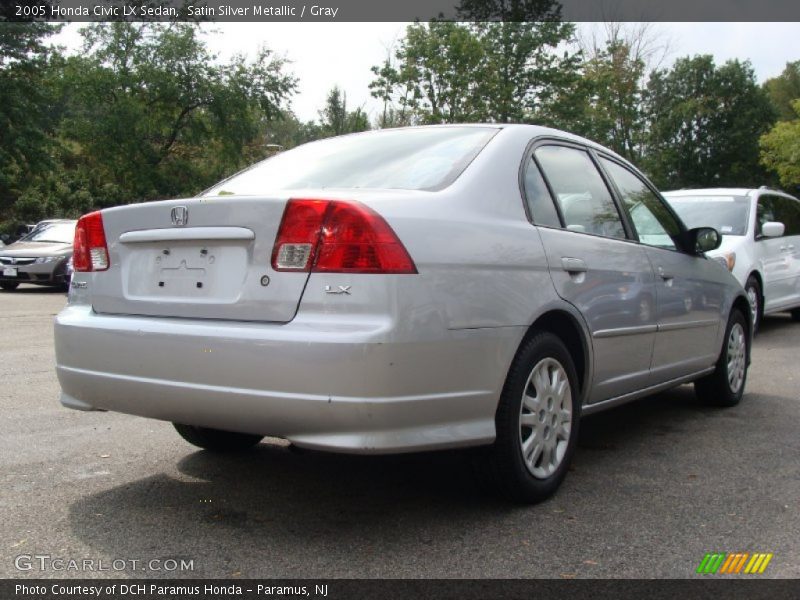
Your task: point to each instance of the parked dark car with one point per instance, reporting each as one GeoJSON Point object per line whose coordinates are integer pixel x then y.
{"type": "Point", "coordinates": [41, 257]}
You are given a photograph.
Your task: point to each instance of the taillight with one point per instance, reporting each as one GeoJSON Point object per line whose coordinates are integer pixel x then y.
{"type": "Point", "coordinates": [90, 251]}
{"type": "Point", "coordinates": [334, 236]}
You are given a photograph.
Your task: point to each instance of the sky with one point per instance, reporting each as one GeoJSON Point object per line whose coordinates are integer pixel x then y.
{"type": "Point", "coordinates": [326, 54]}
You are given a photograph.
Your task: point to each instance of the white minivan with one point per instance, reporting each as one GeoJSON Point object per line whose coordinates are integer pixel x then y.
{"type": "Point", "coordinates": [760, 241]}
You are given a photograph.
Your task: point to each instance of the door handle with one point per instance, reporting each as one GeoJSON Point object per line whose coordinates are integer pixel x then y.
{"type": "Point", "coordinates": [573, 265]}
{"type": "Point", "coordinates": [790, 247]}
{"type": "Point", "coordinates": [664, 274]}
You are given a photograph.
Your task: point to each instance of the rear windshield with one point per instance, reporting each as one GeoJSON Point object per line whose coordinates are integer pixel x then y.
{"type": "Point", "coordinates": [406, 159]}
{"type": "Point", "coordinates": [726, 214]}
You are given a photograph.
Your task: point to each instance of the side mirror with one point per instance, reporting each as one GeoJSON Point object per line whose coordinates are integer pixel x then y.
{"type": "Point", "coordinates": [772, 229]}
{"type": "Point", "coordinates": [704, 239]}
{"type": "Point", "coordinates": [4, 238]}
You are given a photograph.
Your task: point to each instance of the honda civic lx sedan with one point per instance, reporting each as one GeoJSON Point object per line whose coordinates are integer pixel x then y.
{"type": "Point", "coordinates": [404, 290]}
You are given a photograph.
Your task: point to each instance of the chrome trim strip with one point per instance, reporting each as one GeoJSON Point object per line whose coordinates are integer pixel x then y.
{"type": "Point", "coordinates": [589, 409]}
{"type": "Point", "coordinates": [687, 325]}
{"type": "Point", "coordinates": [607, 333]}
{"type": "Point", "coordinates": [190, 233]}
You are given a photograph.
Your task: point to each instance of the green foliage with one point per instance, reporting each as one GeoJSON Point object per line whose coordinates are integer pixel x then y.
{"type": "Point", "coordinates": [144, 112]}
{"type": "Point", "coordinates": [780, 149]}
{"type": "Point", "coordinates": [447, 72]}
{"type": "Point", "coordinates": [26, 122]}
{"type": "Point", "coordinates": [149, 109]}
{"type": "Point", "coordinates": [612, 91]}
{"type": "Point", "coordinates": [335, 119]}
{"type": "Point", "coordinates": [704, 124]}
{"type": "Point", "coordinates": [784, 89]}
{"type": "Point", "coordinates": [434, 80]}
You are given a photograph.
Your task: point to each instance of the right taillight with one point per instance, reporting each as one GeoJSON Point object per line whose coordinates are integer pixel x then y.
{"type": "Point", "coordinates": [90, 251]}
{"type": "Point", "coordinates": [335, 236]}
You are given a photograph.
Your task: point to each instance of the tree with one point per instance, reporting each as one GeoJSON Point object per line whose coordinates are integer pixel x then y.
{"type": "Point", "coordinates": [435, 76]}
{"type": "Point", "coordinates": [523, 76]}
{"type": "Point", "coordinates": [26, 123]}
{"type": "Point", "coordinates": [784, 89]}
{"type": "Point", "coordinates": [150, 114]}
{"type": "Point", "coordinates": [612, 83]}
{"type": "Point", "coordinates": [335, 119]}
{"type": "Point", "coordinates": [448, 72]}
{"type": "Point", "coordinates": [780, 149]}
{"type": "Point", "coordinates": [704, 124]}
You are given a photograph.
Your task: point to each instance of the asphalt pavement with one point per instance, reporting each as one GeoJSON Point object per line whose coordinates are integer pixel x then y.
{"type": "Point", "coordinates": [654, 486]}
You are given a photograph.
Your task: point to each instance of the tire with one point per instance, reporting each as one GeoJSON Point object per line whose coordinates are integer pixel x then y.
{"type": "Point", "coordinates": [551, 439]}
{"type": "Point", "coordinates": [753, 289]}
{"type": "Point", "coordinates": [718, 389]}
{"type": "Point", "coordinates": [217, 440]}
{"type": "Point", "coordinates": [9, 286]}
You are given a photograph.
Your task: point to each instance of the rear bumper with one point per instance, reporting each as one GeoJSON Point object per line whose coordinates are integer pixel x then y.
{"type": "Point", "coordinates": [347, 386]}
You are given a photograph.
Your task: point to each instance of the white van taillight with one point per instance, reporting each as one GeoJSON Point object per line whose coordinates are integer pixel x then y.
{"type": "Point", "coordinates": [90, 251]}
{"type": "Point", "coordinates": [335, 236]}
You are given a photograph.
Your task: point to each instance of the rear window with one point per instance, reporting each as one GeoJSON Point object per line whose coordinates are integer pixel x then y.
{"type": "Point", "coordinates": [408, 159]}
{"type": "Point", "coordinates": [726, 214]}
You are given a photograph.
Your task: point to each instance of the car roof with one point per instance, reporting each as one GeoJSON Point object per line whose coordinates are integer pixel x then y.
{"type": "Point", "coordinates": [709, 192]}
{"type": "Point", "coordinates": [49, 221]}
{"type": "Point", "coordinates": [530, 130]}
{"type": "Point", "coordinates": [695, 193]}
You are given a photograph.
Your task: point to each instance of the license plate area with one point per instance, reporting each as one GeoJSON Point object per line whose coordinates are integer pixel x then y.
{"type": "Point", "coordinates": [9, 271]}
{"type": "Point", "coordinates": [185, 271]}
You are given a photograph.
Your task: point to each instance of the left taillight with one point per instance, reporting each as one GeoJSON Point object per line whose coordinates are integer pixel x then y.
{"type": "Point", "coordinates": [90, 251]}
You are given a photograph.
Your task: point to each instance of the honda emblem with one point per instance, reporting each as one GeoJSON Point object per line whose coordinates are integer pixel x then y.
{"type": "Point", "coordinates": [180, 216]}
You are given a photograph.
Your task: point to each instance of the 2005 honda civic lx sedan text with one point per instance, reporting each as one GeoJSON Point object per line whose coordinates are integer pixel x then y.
{"type": "Point", "coordinates": [404, 290]}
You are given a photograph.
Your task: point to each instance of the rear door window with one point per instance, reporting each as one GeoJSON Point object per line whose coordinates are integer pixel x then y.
{"type": "Point", "coordinates": [581, 193]}
{"type": "Point", "coordinates": [540, 202]}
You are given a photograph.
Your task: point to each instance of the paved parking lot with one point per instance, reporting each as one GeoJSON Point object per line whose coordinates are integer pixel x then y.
{"type": "Point", "coordinates": [655, 485]}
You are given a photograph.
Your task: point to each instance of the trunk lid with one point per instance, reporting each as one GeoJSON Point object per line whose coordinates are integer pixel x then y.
{"type": "Point", "coordinates": [201, 258]}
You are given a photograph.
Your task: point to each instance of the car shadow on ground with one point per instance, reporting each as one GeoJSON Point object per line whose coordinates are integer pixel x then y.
{"type": "Point", "coordinates": [32, 290]}
{"type": "Point", "coordinates": [278, 499]}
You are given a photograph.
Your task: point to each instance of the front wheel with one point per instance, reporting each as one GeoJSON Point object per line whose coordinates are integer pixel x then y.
{"type": "Point", "coordinates": [216, 439]}
{"type": "Point", "coordinates": [536, 422]}
{"type": "Point", "coordinates": [725, 386]}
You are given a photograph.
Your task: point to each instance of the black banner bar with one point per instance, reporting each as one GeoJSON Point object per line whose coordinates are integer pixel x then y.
{"type": "Point", "coordinates": [705, 587]}
{"type": "Point", "coordinates": [407, 10]}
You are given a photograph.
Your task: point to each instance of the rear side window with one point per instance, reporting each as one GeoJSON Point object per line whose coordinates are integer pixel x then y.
{"type": "Point", "coordinates": [782, 210]}
{"type": "Point", "coordinates": [407, 159]}
{"type": "Point", "coordinates": [653, 222]}
{"type": "Point", "coordinates": [581, 193]}
{"type": "Point", "coordinates": [542, 210]}
{"type": "Point", "coordinates": [788, 214]}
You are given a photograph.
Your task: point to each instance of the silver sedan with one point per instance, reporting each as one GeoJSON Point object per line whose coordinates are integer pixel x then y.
{"type": "Point", "coordinates": [404, 290]}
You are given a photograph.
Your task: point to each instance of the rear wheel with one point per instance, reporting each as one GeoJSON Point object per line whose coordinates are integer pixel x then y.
{"type": "Point", "coordinates": [753, 290]}
{"type": "Point", "coordinates": [216, 439]}
{"type": "Point", "coordinates": [536, 422]}
{"type": "Point", "coordinates": [9, 285]}
{"type": "Point", "coordinates": [725, 386]}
